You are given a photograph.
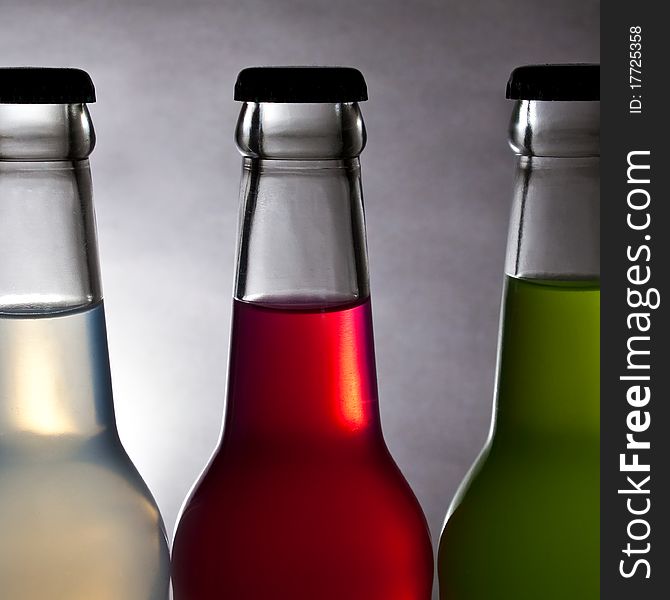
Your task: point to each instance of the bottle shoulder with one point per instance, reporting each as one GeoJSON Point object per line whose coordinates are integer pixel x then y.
{"type": "Point", "coordinates": [533, 455]}
{"type": "Point", "coordinates": [363, 485]}
{"type": "Point", "coordinates": [337, 517]}
{"type": "Point", "coordinates": [84, 512]}
{"type": "Point", "coordinates": [526, 516]}
{"type": "Point", "coordinates": [537, 470]}
{"type": "Point", "coordinates": [316, 463]}
{"type": "Point", "coordinates": [55, 464]}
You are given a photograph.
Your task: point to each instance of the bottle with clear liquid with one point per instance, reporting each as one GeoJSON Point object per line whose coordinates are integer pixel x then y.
{"type": "Point", "coordinates": [525, 523]}
{"type": "Point", "coordinates": [76, 520]}
{"type": "Point", "coordinates": [302, 499]}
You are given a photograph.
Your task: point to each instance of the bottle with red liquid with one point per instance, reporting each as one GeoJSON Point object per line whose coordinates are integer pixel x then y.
{"type": "Point", "coordinates": [302, 499]}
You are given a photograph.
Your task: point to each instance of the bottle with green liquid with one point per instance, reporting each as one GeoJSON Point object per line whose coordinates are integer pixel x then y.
{"type": "Point", "coordinates": [525, 523]}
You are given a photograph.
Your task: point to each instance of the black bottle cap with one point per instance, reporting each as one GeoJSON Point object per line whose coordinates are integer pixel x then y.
{"type": "Point", "coordinates": [555, 82]}
{"type": "Point", "coordinates": [44, 85]}
{"type": "Point", "coordinates": [300, 84]}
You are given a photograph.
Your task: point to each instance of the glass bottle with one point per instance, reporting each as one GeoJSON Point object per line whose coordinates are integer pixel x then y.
{"type": "Point", "coordinates": [525, 523]}
{"type": "Point", "coordinates": [76, 520]}
{"type": "Point", "coordinates": [302, 499]}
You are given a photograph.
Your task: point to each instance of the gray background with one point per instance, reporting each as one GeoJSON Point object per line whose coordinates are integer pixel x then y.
{"type": "Point", "coordinates": [437, 180]}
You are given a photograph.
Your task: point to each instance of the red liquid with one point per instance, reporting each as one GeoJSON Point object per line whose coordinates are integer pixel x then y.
{"type": "Point", "coordinates": [302, 500]}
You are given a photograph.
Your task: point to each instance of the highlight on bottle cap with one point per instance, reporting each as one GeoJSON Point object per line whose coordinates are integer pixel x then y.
{"type": "Point", "coordinates": [555, 82]}
{"type": "Point", "coordinates": [45, 85]}
{"type": "Point", "coordinates": [301, 85]}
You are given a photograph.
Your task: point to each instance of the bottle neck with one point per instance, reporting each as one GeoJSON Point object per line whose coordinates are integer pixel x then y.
{"type": "Point", "coordinates": [548, 370]}
{"type": "Point", "coordinates": [555, 223]}
{"type": "Point", "coordinates": [302, 234]}
{"type": "Point", "coordinates": [55, 385]}
{"type": "Point", "coordinates": [302, 365]}
{"type": "Point", "coordinates": [302, 225]}
{"type": "Point", "coordinates": [548, 380]}
{"type": "Point", "coordinates": [554, 229]}
{"type": "Point", "coordinates": [54, 369]}
{"type": "Point", "coordinates": [301, 377]}
{"type": "Point", "coordinates": [48, 247]}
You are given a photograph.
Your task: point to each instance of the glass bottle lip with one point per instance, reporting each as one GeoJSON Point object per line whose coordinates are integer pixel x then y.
{"type": "Point", "coordinates": [555, 128]}
{"type": "Point", "coordinates": [45, 131]}
{"type": "Point", "coordinates": [300, 130]}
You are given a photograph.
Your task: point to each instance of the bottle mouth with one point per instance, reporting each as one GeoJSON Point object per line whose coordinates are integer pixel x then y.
{"type": "Point", "coordinates": [300, 130]}
{"type": "Point", "coordinates": [45, 132]}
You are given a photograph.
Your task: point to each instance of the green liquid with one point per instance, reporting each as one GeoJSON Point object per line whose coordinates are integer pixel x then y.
{"type": "Point", "coordinates": [526, 522]}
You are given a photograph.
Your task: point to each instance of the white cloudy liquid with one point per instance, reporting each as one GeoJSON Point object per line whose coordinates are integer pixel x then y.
{"type": "Point", "coordinates": [76, 520]}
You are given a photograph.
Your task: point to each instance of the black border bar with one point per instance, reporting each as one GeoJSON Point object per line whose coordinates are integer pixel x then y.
{"type": "Point", "coordinates": [635, 336]}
